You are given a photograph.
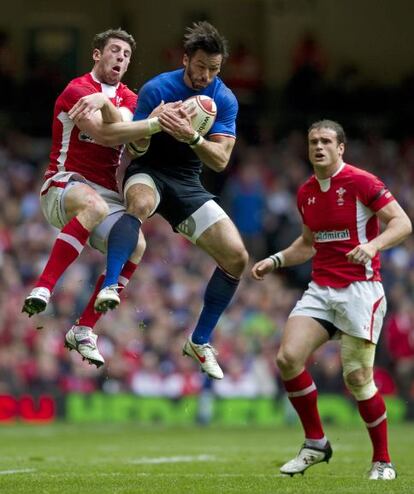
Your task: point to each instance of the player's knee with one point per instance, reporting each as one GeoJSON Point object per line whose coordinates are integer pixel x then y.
{"type": "Point", "coordinates": [360, 383]}
{"type": "Point", "coordinates": [287, 360]}
{"type": "Point", "coordinates": [358, 362]}
{"type": "Point", "coordinates": [243, 258]}
{"type": "Point", "coordinates": [140, 207]}
{"type": "Point", "coordinates": [237, 261]}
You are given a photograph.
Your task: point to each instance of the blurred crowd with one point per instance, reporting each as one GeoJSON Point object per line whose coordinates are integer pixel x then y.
{"type": "Point", "coordinates": [142, 340]}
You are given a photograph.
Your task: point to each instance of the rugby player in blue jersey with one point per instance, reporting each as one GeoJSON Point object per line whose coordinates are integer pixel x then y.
{"type": "Point", "coordinates": [165, 178]}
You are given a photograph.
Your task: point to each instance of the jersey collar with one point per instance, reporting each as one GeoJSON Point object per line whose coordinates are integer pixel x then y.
{"type": "Point", "coordinates": [325, 183]}
{"type": "Point", "coordinates": [107, 89]}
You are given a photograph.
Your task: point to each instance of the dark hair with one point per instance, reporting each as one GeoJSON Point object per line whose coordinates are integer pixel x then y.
{"type": "Point", "coordinates": [101, 39]}
{"type": "Point", "coordinates": [203, 36]}
{"type": "Point", "coordinates": [332, 125]}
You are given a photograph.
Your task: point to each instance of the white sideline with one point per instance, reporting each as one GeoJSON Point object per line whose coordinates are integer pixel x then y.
{"type": "Point", "coordinates": [171, 459]}
{"type": "Point", "coordinates": [21, 470]}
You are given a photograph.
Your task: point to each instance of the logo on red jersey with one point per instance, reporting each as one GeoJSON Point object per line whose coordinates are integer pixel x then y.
{"type": "Point", "coordinates": [311, 200]}
{"type": "Point", "coordinates": [341, 191]}
{"type": "Point", "coordinates": [331, 236]}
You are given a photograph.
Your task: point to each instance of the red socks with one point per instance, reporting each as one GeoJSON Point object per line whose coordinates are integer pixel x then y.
{"type": "Point", "coordinates": [89, 317]}
{"type": "Point", "coordinates": [303, 395]}
{"type": "Point", "coordinates": [68, 245]}
{"type": "Point", "coordinates": [374, 414]}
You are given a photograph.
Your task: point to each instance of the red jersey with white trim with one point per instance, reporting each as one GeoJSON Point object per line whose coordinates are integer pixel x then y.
{"type": "Point", "coordinates": [72, 149]}
{"type": "Point", "coordinates": [340, 212]}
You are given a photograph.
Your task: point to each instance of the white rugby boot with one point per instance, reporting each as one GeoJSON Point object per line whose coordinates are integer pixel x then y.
{"type": "Point", "coordinates": [307, 457]}
{"type": "Point", "coordinates": [83, 340]}
{"type": "Point", "coordinates": [36, 301]}
{"type": "Point", "coordinates": [107, 299]}
{"type": "Point", "coordinates": [382, 470]}
{"type": "Point", "coordinates": [204, 355]}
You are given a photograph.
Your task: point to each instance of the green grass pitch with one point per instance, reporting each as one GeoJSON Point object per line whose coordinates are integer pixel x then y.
{"type": "Point", "coordinates": [109, 458]}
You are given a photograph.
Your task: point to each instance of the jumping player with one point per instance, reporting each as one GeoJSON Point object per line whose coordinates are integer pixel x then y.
{"type": "Point", "coordinates": [341, 206]}
{"type": "Point", "coordinates": [166, 179]}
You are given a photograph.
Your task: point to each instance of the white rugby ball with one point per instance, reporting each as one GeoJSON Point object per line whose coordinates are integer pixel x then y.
{"type": "Point", "coordinates": [206, 111]}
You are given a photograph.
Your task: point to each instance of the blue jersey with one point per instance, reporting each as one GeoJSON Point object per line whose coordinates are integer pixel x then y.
{"type": "Point", "coordinates": [166, 153]}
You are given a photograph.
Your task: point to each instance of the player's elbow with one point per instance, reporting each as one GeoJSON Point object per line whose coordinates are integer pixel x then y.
{"type": "Point", "coordinates": [221, 164]}
{"type": "Point", "coordinates": [408, 227]}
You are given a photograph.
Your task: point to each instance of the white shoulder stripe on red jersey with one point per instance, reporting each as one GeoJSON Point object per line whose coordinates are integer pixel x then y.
{"type": "Point", "coordinates": [68, 126]}
{"type": "Point", "coordinates": [363, 215]}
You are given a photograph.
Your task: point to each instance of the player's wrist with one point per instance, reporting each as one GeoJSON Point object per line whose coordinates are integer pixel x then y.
{"type": "Point", "coordinates": [153, 125]}
{"type": "Point", "coordinates": [278, 260]}
{"type": "Point", "coordinates": [196, 140]}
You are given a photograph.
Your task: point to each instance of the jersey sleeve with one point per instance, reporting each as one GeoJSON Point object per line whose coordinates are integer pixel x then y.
{"type": "Point", "coordinates": [149, 97]}
{"type": "Point", "coordinates": [227, 108]}
{"type": "Point", "coordinates": [373, 193]}
{"type": "Point", "coordinates": [299, 203]}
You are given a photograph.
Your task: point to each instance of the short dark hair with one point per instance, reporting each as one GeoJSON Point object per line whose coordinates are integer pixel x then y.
{"type": "Point", "coordinates": [332, 125]}
{"type": "Point", "coordinates": [203, 36]}
{"type": "Point", "coordinates": [101, 39]}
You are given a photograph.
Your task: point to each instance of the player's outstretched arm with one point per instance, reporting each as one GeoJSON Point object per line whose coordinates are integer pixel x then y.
{"type": "Point", "coordinates": [398, 227]}
{"type": "Point", "coordinates": [298, 252]}
{"type": "Point", "coordinates": [114, 134]}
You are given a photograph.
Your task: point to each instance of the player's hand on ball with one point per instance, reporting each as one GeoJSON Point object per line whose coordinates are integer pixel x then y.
{"type": "Point", "coordinates": [261, 268]}
{"type": "Point", "coordinates": [165, 107]}
{"type": "Point", "coordinates": [178, 125]}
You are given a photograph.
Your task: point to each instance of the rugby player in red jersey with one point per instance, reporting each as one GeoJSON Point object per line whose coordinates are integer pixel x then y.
{"type": "Point", "coordinates": [341, 207]}
{"type": "Point", "coordinates": [80, 194]}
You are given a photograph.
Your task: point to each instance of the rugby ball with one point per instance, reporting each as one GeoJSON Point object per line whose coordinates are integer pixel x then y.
{"type": "Point", "coordinates": [206, 111]}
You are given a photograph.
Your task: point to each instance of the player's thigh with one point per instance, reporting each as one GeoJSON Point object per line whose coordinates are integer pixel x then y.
{"type": "Point", "coordinates": [309, 325]}
{"type": "Point", "coordinates": [356, 354]}
{"type": "Point", "coordinates": [141, 195]}
{"type": "Point", "coordinates": [301, 336]}
{"type": "Point", "coordinates": [81, 198]}
{"type": "Point", "coordinates": [53, 196]}
{"type": "Point", "coordinates": [222, 241]}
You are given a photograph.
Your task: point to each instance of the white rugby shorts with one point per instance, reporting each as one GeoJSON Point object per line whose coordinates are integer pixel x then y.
{"type": "Point", "coordinates": [357, 310]}
{"type": "Point", "coordinates": [52, 202]}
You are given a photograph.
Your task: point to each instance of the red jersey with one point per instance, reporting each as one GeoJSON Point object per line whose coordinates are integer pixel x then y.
{"type": "Point", "coordinates": [340, 212]}
{"type": "Point", "coordinates": [72, 149]}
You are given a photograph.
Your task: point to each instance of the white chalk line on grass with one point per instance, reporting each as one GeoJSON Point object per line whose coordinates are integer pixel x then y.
{"type": "Point", "coordinates": [171, 459]}
{"type": "Point", "coordinates": [208, 475]}
{"type": "Point", "coordinates": [20, 470]}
